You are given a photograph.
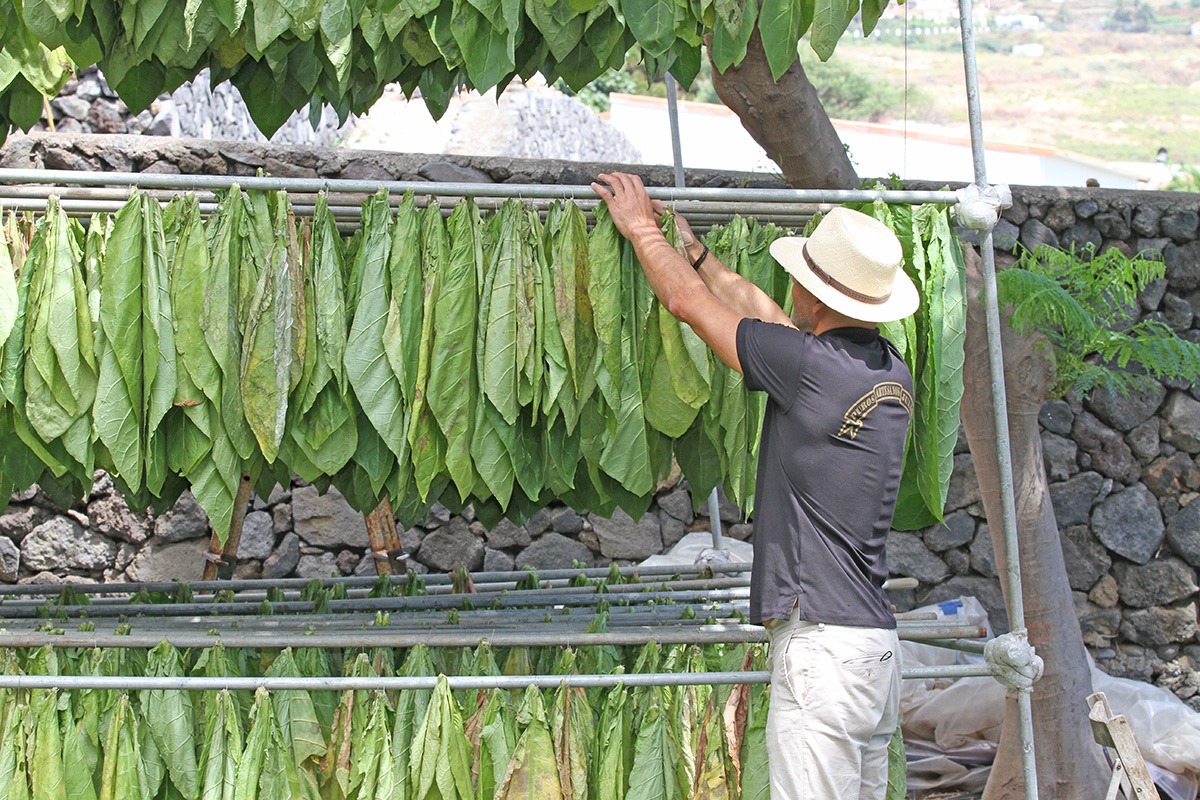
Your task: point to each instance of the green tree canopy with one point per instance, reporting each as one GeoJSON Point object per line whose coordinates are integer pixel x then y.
{"type": "Point", "coordinates": [285, 55]}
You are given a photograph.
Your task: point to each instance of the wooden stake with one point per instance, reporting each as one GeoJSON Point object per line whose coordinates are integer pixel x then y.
{"type": "Point", "coordinates": [219, 555]}
{"type": "Point", "coordinates": [384, 538]}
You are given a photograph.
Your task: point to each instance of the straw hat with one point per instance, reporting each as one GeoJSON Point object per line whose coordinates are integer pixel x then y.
{"type": "Point", "coordinates": [853, 264]}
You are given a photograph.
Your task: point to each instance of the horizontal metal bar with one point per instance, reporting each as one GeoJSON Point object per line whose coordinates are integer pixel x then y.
{"type": "Point", "coordinates": [433, 579]}
{"type": "Point", "coordinates": [487, 593]}
{"type": "Point", "coordinates": [347, 205]}
{"type": "Point", "coordinates": [218, 182]}
{"type": "Point", "coordinates": [964, 645]}
{"type": "Point", "coordinates": [456, 682]}
{"type": "Point", "coordinates": [531, 598]}
{"type": "Point", "coordinates": [644, 574]}
{"type": "Point", "coordinates": [384, 637]}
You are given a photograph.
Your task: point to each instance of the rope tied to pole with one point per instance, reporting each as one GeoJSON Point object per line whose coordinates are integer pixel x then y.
{"type": "Point", "coordinates": [1013, 661]}
{"type": "Point", "coordinates": [979, 208]}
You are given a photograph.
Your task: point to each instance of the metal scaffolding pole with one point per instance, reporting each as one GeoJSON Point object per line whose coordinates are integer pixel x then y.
{"type": "Point", "coordinates": [456, 682]}
{"type": "Point", "coordinates": [521, 191]}
{"type": "Point", "coordinates": [646, 576]}
{"type": "Point", "coordinates": [1016, 605]}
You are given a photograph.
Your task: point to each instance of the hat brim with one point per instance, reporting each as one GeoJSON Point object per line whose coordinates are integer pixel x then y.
{"type": "Point", "coordinates": [903, 301]}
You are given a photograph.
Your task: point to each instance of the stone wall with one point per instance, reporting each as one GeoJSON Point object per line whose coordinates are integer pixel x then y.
{"type": "Point", "coordinates": [87, 105]}
{"type": "Point", "coordinates": [1124, 472]}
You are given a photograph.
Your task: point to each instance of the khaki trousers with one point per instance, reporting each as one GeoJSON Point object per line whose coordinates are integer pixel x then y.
{"type": "Point", "coordinates": [835, 703]}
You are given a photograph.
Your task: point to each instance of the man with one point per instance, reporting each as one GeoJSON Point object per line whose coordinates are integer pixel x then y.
{"type": "Point", "coordinates": [839, 404]}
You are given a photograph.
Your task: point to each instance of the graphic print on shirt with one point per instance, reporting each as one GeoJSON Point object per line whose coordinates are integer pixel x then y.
{"type": "Point", "coordinates": [857, 414]}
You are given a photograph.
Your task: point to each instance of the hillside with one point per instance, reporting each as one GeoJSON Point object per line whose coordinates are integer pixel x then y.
{"type": "Point", "coordinates": [1109, 94]}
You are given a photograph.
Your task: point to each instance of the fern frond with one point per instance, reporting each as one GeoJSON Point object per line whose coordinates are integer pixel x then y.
{"type": "Point", "coordinates": [1084, 306]}
{"type": "Point", "coordinates": [1107, 283]}
{"type": "Point", "coordinates": [1040, 302]}
{"type": "Point", "coordinates": [1155, 348]}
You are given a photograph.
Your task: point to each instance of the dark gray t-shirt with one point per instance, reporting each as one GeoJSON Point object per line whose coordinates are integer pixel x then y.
{"type": "Point", "coordinates": [829, 467]}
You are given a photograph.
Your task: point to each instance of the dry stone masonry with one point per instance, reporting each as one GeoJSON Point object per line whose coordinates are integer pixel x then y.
{"type": "Point", "coordinates": [1124, 471]}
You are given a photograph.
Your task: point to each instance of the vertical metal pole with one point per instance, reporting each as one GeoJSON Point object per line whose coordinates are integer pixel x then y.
{"type": "Point", "coordinates": [714, 503]}
{"type": "Point", "coordinates": [1016, 603]}
{"type": "Point", "coordinates": [673, 116]}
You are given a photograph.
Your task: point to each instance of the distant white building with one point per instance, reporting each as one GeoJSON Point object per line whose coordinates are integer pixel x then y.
{"type": "Point", "coordinates": [1196, 29]}
{"type": "Point", "coordinates": [712, 137]}
{"type": "Point", "coordinates": [1029, 50]}
{"type": "Point", "coordinates": [1018, 22]}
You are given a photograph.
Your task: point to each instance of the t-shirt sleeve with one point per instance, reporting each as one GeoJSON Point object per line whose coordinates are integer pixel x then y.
{"type": "Point", "coordinates": [771, 356]}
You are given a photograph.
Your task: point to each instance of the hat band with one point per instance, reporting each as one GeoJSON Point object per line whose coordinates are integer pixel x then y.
{"type": "Point", "coordinates": [841, 287]}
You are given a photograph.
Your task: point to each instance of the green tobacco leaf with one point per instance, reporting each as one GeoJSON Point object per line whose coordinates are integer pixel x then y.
{"type": "Point", "coordinates": [452, 385]}
{"type": "Point", "coordinates": [221, 748]}
{"type": "Point", "coordinates": [250, 767]}
{"type": "Point", "coordinates": [375, 384]}
{"type": "Point", "coordinates": [755, 781]}
{"type": "Point", "coordinates": [374, 773]}
{"type": "Point", "coordinates": [493, 734]}
{"type": "Point", "coordinates": [170, 720]}
{"type": "Point", "coordinates": [604, 292]}
{"type": "Point", "coordinates": [613, 751]}
{"type": "Point", "coordinates": [897, 774]}
{"type": "Point", "coordinates": [296, 715]}
{"type": "Point", "coordinates": [158, 355]}
{"type": "Point", "coordinates": [79, 762]}
{"type": "Point", "coordinates": [532, 771]}
{"type": "Point", "coordinates": [402, 335]}
{"type": "Point", "coordinates": [12, 356]}
{"type": "Point", "coordinates": [60, 378]}
{"type": "Point", "coordinates": [441, 757]}
{"type": "Point", "coordinates": [425, 438]}
{"type": "Point", "coordinates": [122, 777]}
{"type": "Point", "coordinates": [411, 710]}
{"type": "Point", "coordinates": [229, 262]}
{"type": "Point", "coordinates": [269, 351]}
{"type": "Point", "coordinates": [46, 768]}
{"type": "Point", "coordinates": [190, 270]}
{"type": "Point", "coordinates": [494, 440]}
{"type": "Point", "coordinates": [950, 307]}
{"type": "Point", "coordinates": [830, 18]}
{"type": "Point", "coordinates": [500, 352]}
{"type": "Point", "coordinates": [572, 728]}
{"type": "Point", "coordinates": [8, 293]}
{"type": "Point", "coordinates": [652, 776]}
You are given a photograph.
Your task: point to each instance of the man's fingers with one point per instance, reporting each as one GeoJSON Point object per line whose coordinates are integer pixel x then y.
{"type": "Point", "coordinates": [602, 192]}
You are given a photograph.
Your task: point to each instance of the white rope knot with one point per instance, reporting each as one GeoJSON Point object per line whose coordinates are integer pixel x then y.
{"type": "Point", "coordinates": [979, 209]}
{"type": "Point", "coordinates": [711, 556]}
{"type": "Point", "coordinates": [1013, 661]}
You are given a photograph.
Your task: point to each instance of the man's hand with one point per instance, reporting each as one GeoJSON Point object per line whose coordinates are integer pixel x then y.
{"type": "Point", "coordinates": [632, 210]}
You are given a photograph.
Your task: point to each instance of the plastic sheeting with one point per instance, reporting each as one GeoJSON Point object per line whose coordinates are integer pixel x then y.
{"type": "Point", "coordinates": [952, 727]}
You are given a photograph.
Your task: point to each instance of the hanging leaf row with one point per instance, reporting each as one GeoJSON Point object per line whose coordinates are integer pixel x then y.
{"type": "Point", "coordinates": [504, 362]}
{"type": "Point", "coordinates": [500, 361]}
{"type": "Point", "coordinates": [286, 55]}
{"type": "Point", "coordinates": [620, 743]}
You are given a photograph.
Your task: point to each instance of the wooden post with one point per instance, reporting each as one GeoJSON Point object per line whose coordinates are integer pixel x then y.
{"type": "Point", "coordinates": [221, 559]}
{"type": "Point", "coordinates": [384, 538]}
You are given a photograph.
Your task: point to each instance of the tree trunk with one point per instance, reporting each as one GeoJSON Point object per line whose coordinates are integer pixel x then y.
{"type": "Point", "coordinates": [787, 121]}
{"type": "Point", "coordinates": [1069, 763]}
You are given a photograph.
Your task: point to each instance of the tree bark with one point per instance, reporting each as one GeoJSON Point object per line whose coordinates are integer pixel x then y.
{"type": "Point", "coordinates": [787, 120]}
{"type": "Point", "coordinates": [1069, 763]}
